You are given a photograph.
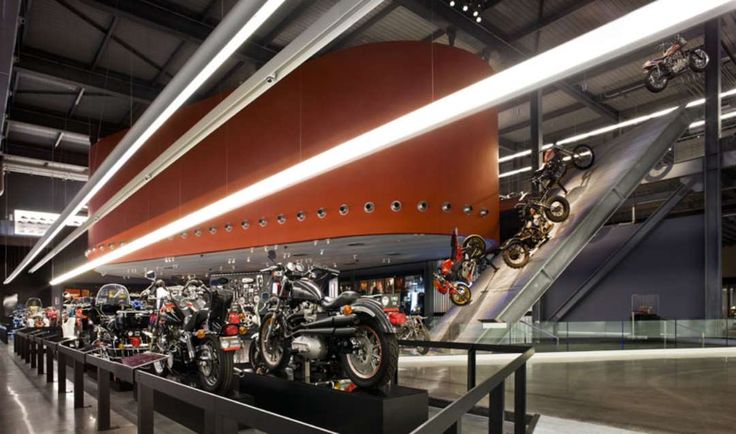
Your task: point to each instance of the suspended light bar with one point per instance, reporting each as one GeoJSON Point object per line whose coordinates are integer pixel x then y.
{"type": "Point", "coordinates": [700, 123]}
{"type": "Point", "coordinates": [515, 172]}
{"type": "Point", "coordinates": [640, 27]}
{"type": "Point", "coordinates": [321, 33]}
{"type": "Point", "coordinates": [200, 66]}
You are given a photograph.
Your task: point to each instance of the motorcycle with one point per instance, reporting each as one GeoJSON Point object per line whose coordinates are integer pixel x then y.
{"type": "Point", "coordinates": [122, 330]}
{"type": "Point", "coordinates": [346, 334]}
{"type": "Point", "coordinates": [458, 271]}
{"type": "Point", "coordinates": [412, 328]}
{"type": "Point", "coordinates": [674, 61]}
{"type": "Point", "coordinates": [34, 312]}
{"type": "Point", "coordinates": [192, 327]}
{"type": "Point", "coordinates": [517, 250]}
{"type": "Point", "coordinates": [554, 207]}
{"type": "Point", "coordinates": [555, 163]}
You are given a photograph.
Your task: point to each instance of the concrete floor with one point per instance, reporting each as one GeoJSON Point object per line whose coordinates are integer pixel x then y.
{"type": "Point", "coordinates": [656, 394]}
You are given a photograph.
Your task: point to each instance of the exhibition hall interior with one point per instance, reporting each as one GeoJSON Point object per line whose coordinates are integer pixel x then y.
{"type": "Point", "coordinates": [368, 216]}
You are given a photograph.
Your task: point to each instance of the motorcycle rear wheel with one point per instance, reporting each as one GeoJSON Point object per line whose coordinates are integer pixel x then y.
{"type": "Point", "coordinates": [583, 157]}
{"type": "Point", "coordinates": [462, 295]}
{"type": "Point", "coordinates": [557, 210]}
{"type": "Point", "coordinates": [516, 255]}
{"type": "Point", "coordinates": [217, 377]}
{"type": "Point", "coordinates": [656, 81]}
{"type": "Point", "coordinates": [361, 366]}
{"type": "Point", "coordinates": [474, 246]}
{"type": "Point", "coordinates": [422, 335]}
{"type": "Point", "coordinates": [698, 60]}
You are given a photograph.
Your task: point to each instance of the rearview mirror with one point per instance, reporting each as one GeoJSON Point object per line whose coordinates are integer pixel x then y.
{"type": "Point", "coordinates": [151, 275]}
{"type": "Point", "coordinates": [272, 255]}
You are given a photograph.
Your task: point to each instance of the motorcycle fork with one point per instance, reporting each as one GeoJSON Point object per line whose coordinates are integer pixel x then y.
{"type": "Point", "coordinates": [274, 317]}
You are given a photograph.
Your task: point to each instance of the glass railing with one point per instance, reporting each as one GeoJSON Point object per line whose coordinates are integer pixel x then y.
{"type": "Point", "coordinates": [602, 335]}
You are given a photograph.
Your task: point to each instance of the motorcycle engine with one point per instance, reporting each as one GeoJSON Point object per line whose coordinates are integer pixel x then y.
{"type": "Point", "coordinates": [309, 347]}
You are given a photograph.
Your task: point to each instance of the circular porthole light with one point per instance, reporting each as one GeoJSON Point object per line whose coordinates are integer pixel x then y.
{"type": "Point", "coordinates": [184, 235]}
{"type": "Point", "coordinates": [198, 232]}
{"type": "Point", "coordinates": [300, 216]}
{"type": "Point", "coordinates": [446, 207]}
{"type": "Point", "coordinates": [422, 206]}
{"type": "Point", "coordinates": [212, 230]}
{"type": "Point", "coordinates": [396, 206]}
{"type": "Point", "coordinates": [483, 212]}
{"type": "Point", "coordinates": [467, 209]}
{"type": "Point", "coordinates": [344, 209]}
{"type": "Point", "coordinates": [369, 207]}
{"type": "Point", "coordinates": [244, 224]}
{"type": "Point", "coordinates": [321, 213]}
{"type": "Point", "coordinates": [262, 222]}
{"type": "Point", "coordinates": [228, 227]}
{"type": "Point", "coordinates": [281, 219]}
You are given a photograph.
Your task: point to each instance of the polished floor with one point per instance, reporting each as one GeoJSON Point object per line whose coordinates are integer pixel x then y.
{"type": "Point", "coordinates": [661, 393]}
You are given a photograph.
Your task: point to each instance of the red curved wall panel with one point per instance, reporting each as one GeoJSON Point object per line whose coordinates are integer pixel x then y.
{"type": "Point", "coordinates": [323, 103]}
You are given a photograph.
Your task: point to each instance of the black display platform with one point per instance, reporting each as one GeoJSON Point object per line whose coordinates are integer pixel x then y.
{"type": "Point", "coordinates": [394, 410]}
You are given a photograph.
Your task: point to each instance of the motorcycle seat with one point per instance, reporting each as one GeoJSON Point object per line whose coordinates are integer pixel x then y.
{"type": "Point", "coordinates": [346, 297]}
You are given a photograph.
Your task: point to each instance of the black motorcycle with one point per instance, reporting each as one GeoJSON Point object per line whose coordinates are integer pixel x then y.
{"type": "Point", "coordinates": [555, 162]}
{"type": "Point", "coordinates": [346, 334]}
{"type": "Point", "coordinates": [191, 327]}
{"type": "Point", "coordinates": [122, 328]}
{"type": "Point", "coordinates": [517, 250]}
{"type": "Point", "coordinates": [554, 207]}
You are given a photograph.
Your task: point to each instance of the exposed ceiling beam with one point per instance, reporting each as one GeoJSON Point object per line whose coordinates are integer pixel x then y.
{"type": "Point", "coordinates": [350, 35]}
{"type": "Point", "coordinates": [168, 18]}
{"type": "Point", "coordinates": [494, 38]}
{"type": "Point", "coordinates": [51, 66]}
{"type": "Point", "coordinates": [9, 18]}
{"type": "Point", "coordinates": [547, 116]}
{"type": "Point", "coordinates": [60, 122]}
{"type": "Point", "coordinates": [298, 8]}
{"type": "Point", "coordinates": [45, 153]}
{"type": "Point", "coordinates": [105, 40]}
{"type": "Point", "coordinates": [550, 19]}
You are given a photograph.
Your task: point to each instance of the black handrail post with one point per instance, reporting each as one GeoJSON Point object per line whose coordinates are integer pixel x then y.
{"type": "Point", "coordinates": [145, 408]}
{"type": "Point", "coordinates": [78, 384]}
{"type": "Point", "coordinates": [50, 362]}
{"type": "Point", "coordinates": [225, 425]}
{"type": "Point", "coordinates": [103, 399]}
{"type": "Point", "coordinates": [61, 372]}
{"type": "Point", "coordinates": [32, 353]}
{"type": "Point", "coordinates": [39, 356]}
{"type": "Point", "coordinates": [520, 400]}
{"type": "Point", "coordinates": [210, 421]}
{"type": "Point", "coordinates": [495, 416]}
{"type": "Point", "coordinates": [471, 368]}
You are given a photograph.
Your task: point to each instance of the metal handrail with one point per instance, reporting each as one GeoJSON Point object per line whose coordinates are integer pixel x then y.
{"type": "Point", "coordinates": [543, 331]}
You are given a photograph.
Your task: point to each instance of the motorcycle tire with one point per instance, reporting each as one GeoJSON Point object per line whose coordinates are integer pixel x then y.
{"type": "Point", "coordinates": [220, 379]}
{"type": "Point", "coordinates": [462, 295]}
{"type": "Point", "coordinates": [579, 157]}
{"type": "Point", "coordinates": [273, 364]}
{"type": "Point", "coordinates": [389, 356]}
{"type": "Point", "coordinates": [698, 60]}
{"type": "Point", "coordinates": [654, 84]}
{"type": "Point", "coordinates": [474, 246]}
{"type": "Point", "coordinates": [423, 336]}
{"type": "Point", "coordinates": [253, 354]}
{"type": "Point", "coordinates": [557, 209]}
{"type": "Point", "coordinates": [520, 259]}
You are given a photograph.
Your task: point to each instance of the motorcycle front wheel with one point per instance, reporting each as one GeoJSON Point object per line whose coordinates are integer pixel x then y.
{"type": "Point", "coordinates": [656, 81]}
{"type": "Point", "coordinates": [583, 157]}
{"type": "Point", "coordinates": [214, 366]}
{"type": "Point", "coordinates": [698, 60]}
{"type": "Point", "coordinates": [272, 351]}
{"type": "Point", "coordinates": [474, 246]}
{"type": "Point", "coordinates": [374, 358]}
{"type": "Point", "coordinates": [422, 335]}
{"type": "Point", "coordinates": [462, 295]}
{"type": "Point", "coordinates": [557, 209]}
{"type": "Point", "coordinates": [516, 255]}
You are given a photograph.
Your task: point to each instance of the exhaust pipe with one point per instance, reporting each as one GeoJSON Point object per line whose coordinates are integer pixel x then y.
{"type": "Point", "coordinates": [333, 321]}
{"type": "Point", "coordinates": [345, 331]}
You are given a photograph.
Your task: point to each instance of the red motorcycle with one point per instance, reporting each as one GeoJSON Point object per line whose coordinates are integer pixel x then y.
{"type": "Point", "coordinates": [673, 62]}
{"type": "Point", "coordinates": [457, 272]}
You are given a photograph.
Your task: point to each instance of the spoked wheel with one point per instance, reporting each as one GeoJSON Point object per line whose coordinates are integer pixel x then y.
{"type": "Point", "coordinates": [557, 210]}
{"type": "Point", "coordinates": [422, 335]}
{"type": "Point", "coordinates": [656, 81]}
{"type": "Point", "coordinates": [161, 367]}
{"type": "Point", "coordinates": [272, 344]}
{"type": "Point", "coordinates": [461, 295]}
{"type": "Point", "coordinates": [474, 246]}
{"type": "Point", "coordinates": [516, 255]}
{"type": "Point", "coordinates": [374, 358]}
{"type": "Point", "coordinates": [214, 366]}
{"type": "Point", "coordinates": [583, 157]}
{"type": "Point", "coordinates": [698, 60]}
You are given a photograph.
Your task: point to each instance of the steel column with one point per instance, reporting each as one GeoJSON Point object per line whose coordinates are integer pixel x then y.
{"type": "Point", "coordinates": [712, 172]}
{"type": "Point", "coordinates": [471, 369]}
{"type": "Point", "coordinates": [520, 400]}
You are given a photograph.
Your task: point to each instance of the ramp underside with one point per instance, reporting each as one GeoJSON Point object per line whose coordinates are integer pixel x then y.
{"type": "Point", "coordinates": [594, 196]}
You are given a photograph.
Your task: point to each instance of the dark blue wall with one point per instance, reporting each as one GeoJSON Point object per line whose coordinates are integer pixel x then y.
{"type": "Point", "coordinates": [668, 263]}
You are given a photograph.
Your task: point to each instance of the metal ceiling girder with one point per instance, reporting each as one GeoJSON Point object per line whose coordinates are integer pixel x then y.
{"type": "Point", "coordinates": [239, 15]}
{"type": "Point", "coordinates": [52, 67]}
{"type": "Point", "coordinates": [179, 25]}
{"type": "Point", "coordinates": [60, 122]}
{"type": "Point", "coordinates": [329, 26]}
{"type": "Point", "coordinates": [9, 17]}
{"type": "Point", "coordinates": [625, 249]}
{"type": "Point", "coordinates": [495, 39]}
{"type": "Point", "coordinates": [668, 129]}
{"type": "Point", "coordinates": [550, 19]}
{"type": "Point", "coordinates": [38, 167]}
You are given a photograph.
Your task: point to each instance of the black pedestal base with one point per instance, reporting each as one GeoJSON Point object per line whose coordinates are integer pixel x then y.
{"type": "Point", "coordinates": [394, 410]}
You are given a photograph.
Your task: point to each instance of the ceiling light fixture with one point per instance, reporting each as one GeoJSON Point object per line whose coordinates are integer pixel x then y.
{"type": "Point", "coordinates": [638, 28]}
{"type": "Point", "coordinates": [237, 26]}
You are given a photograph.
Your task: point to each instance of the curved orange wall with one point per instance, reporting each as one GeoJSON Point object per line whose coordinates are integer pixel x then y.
{"type": "Point", "coordinates": [320, 105]}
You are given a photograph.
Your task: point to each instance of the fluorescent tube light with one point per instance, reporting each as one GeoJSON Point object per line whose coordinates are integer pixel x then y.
{"type": "Point", "coordinates": [515, 172]}
{"type": "Point", "coordinates": [700, 123]}
{"type": "Point", "coordinates": [263, 13]}
{"type": "Point", "coordinates": [640, 27]}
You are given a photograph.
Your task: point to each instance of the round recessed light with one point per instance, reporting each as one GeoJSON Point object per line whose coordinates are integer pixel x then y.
{"type": "Point", "coordinates": [281, 219]}
{"type": "Point", "coordinates": [321, 213]}
{"type": "Point", "coordinates": [422, 206]}
{"type": "Point", "coordinates": [228, 227]}
{"type": "Point", "coordinates": [467, 209]}
{"type": "Point", "coordinates": [262, 222]}
{"type": "Point", "coordinates": [300, 216]}
{"type": "Point", "coordinates": [446, 207]}
{"type": "Point", "coordinates": [369, 207]}
{"type": "Point", "coordinates": [244, 224]}
{"type": "Point", "coordinates": [396, 206]}
{"type": "Point", "coordinates": [344, 209]}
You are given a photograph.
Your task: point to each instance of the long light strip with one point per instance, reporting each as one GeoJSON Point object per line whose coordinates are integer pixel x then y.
{"type": "Point", "coordinates": [638, 28]}
{"type": "Point", "coordinates": [318, 35]}
{"type": "Point", "coordinates": [623, 124]}
{"type": "Point", "coordinates": [217, 60]}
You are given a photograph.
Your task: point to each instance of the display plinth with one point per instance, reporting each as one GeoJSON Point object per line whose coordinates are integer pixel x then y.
{"type": "Point", "coordinates": [395, 409]}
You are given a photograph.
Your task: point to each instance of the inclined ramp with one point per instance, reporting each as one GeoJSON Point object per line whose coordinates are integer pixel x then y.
{"type": "Point", "coordinates": [506, 295]}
